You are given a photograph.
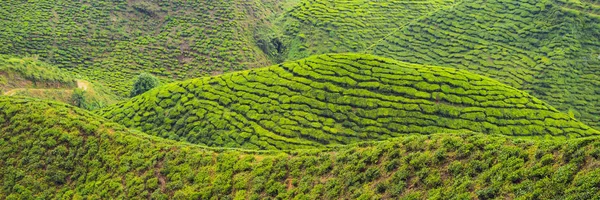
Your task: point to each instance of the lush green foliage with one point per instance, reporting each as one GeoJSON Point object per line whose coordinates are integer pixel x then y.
{"type": "Point", "coordinates": [337, 99]}
{"type": "Point", "coordinates": [143, 83]}
{"type": "Point", "coordinates": [333, 126]}
{"type": "Point", "coordinates": [315, 27]}
{"type": "Point", "coordinates": [78, 98]}
{"type": "Point", "coordinates": [54, 151]}
{"type": "Point", "coordinates": [548, 48]}
{"type": "Point", "coordinates": [111, 41]}
{"type": "Point", "coordinates": [33, 78]}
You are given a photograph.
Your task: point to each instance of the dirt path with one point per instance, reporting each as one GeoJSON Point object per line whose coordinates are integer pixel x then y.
{"type": "Point", "coordinates": [81, 84]}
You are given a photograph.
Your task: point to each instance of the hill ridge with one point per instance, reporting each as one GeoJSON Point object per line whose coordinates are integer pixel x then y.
{"type": "Point", "coordinates": [337, 98]}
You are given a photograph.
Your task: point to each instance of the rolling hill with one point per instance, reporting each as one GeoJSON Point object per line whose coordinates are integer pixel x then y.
{"type": "Point", "coordinates": [337, 99]}
{"type": "Point", "coordinates": [29, 72]}
{"type": "Point", "coordinates": [300, 99]}
{"type": "Point", "coordinates": [55, 151]}
{"type": "Point", "coordinates": [550, 49]}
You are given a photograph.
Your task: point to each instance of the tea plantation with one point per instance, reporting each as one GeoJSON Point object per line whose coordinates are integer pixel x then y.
{"type": "Point", "coordinates": [337, 99]}
{"type": "Point", "coordinates": [299, 99]}
{"type": "Point", "coordinates": [316, 27]}
{"type": "Point", "coordinates": [54, 151]}
{"type": "Point", "coordinates": [111, 41]}
{"type": "Point", "coordinates": [549, 48]}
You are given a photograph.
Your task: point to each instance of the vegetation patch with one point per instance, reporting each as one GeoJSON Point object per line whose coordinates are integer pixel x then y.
{"type": "Point", "coordinates": [54, 151]}
{"type": "Point", "coordinates": [113, 41]}
{"type": "Point", "coordinates": [33, 78]}
{"type": "Point", "coordinates": [29, 72]}
{"type": "Point", "coordinates": [337, 99]}
{"type": "Point", "coordinates": [550, 49]}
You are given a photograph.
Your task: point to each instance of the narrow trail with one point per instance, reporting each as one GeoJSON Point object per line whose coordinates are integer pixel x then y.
{"type": "Point", "coordinates": [81, 84]}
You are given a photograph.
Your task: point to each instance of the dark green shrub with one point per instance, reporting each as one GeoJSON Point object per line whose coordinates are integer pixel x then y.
{"type": "Point", "coordinates": [78, 98]}
{"type": "Point", "coordinates": [143, 83]}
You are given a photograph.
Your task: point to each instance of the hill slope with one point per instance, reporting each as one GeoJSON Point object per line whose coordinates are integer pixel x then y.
{"type": "Point", "coordinates": [111, 41]}
{"type": "Point", "coordinates": [54, 151]}
{"type": "Point", "coordinates": [29, 72]}
{"type": "Point", "coordinates": [550, 49]}
{"type": "Point", "coordinates": [315, 27]}
{"type": "Point", "coordinates": [30, 77]}
{"type": "Point", "coordinates": [337, 99]}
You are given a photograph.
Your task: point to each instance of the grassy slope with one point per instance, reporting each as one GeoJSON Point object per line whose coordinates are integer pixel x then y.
{"type": "Point", "coordinates": [337, 99]}
{"type": "Point", "coordinates": [550, 48]}
{"type": "Point", "coordinates": [33, 78]}
{"type": "Point", "coordinates": [111, 41]}
{"type": "Point", "coordinates": [55, 151]}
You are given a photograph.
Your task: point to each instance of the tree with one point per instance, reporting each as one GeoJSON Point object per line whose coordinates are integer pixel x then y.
{"type": "Point", "coordinates": [78, 98]}
{"type": "Point", "coordinates": [143, 83]}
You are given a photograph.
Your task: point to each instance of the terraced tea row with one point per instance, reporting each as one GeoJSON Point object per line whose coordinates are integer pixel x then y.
{"type": "Point", "coordinates": [54, 151]}
{"type": "Point", "coordinates": [338, 99]}
{"type": "Point", "coordinates": [111, 41]}
{"type": "Point", "coordinates": [317, 27]}
{"type": "Point", "coordinates": [550, 49]}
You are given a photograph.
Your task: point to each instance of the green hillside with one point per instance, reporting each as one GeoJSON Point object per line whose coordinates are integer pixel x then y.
{"type": "Point", "coordinates": [111, 41]}
{"type": "Point", "coordinates": [55, 151]}
{"type": "Point", "coordinates": [29, 72]}
{"type": "Point", "coordinates": [299, 99]}
{"type": "Point", "coordinates": [315, 27]}
{"type": "Point", "coordinates": [337, 99]}
{"type": "Point", "coordinates": [549, 48]}
{"type": "Point", "coordinates": [32, 78]}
